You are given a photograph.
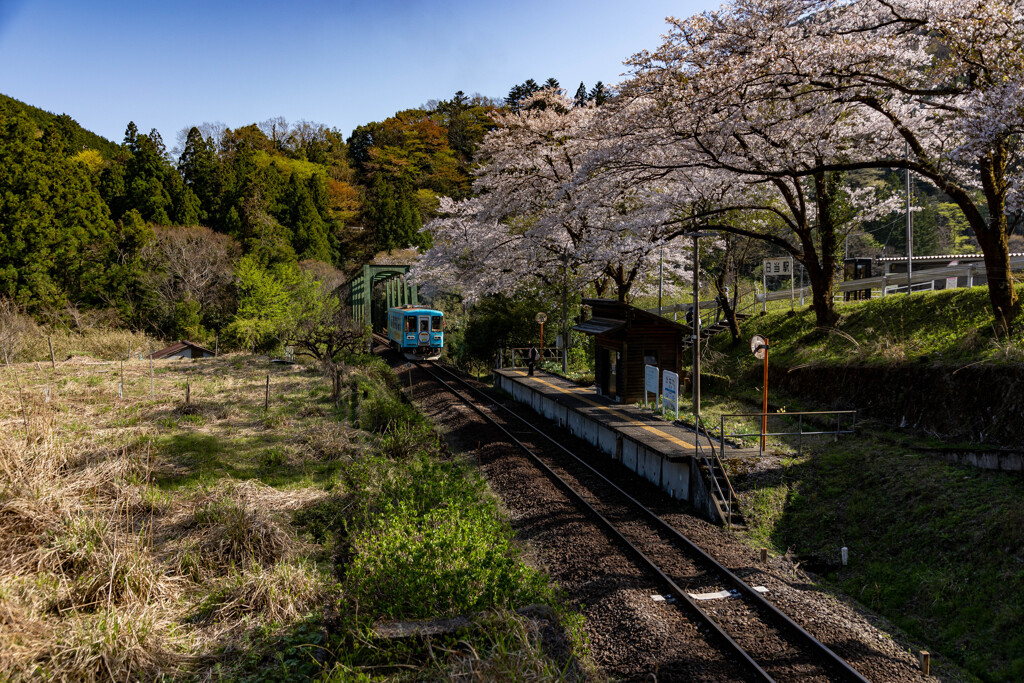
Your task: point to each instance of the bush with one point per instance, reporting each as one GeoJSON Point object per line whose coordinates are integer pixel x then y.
{"type": "Point", "coordinates": [446, 562]}
{"type": "Point", "coordinates": [383, 413]}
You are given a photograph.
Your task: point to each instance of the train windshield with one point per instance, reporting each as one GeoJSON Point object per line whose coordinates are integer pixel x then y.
{"type": "Point", "coordinates": [437, 323]}
{"type": "Point", "coordinates": [424, 324]}
{"type": "Point", "coordinates": [410, 324]}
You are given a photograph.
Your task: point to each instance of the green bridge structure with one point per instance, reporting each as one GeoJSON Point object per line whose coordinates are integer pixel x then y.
{"type": "Point", "coordinates": [378, 288]}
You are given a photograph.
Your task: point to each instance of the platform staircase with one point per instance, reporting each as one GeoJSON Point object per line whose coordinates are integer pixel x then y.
{"type": "Point", "coordinates": [713, 329]}
{"type": "Point", "coordinates": [722, 494]}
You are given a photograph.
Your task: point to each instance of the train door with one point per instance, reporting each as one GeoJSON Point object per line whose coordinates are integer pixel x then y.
{"type": "Point", "coordinates": [424, 336]}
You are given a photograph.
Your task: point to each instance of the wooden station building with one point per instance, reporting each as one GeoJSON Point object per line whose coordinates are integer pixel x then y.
{"type": "Point", "coordinates": [627, 338]}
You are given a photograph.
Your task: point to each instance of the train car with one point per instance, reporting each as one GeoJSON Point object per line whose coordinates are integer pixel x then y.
{"type": "Point", "coordinates": [417, 332]}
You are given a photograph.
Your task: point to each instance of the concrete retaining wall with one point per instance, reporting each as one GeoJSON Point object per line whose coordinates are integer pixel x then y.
{"type": "Point", "coordinates": [671, 477]}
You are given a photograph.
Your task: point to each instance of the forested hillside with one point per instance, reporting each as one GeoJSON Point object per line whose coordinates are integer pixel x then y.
{"type": "Point", "coordinates": [162, 240]}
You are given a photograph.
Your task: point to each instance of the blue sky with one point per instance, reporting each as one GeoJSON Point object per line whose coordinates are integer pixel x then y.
{"type": "Point", "coordinates": [172, 65]}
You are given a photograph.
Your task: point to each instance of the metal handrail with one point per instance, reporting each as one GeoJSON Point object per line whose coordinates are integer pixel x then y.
{"type": "Point", "coordinates": [700, 427]}
{"type": "Point", "coordinates": [800, 425]}
{"type": "Point", "coordinates": [548, 353]}
{"type": "Point", "coordinates": [919, 280]}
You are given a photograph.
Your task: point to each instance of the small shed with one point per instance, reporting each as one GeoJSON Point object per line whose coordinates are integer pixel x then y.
{"type": "Point", "coordinates": [627, 338]}
{"type": "Point", "coordinates": [183, 349]}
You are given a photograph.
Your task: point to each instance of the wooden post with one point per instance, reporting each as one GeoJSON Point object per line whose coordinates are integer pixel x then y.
{"type": "Point", "coordinates": [764, 555]}
{"type": "Point", "coordinates": [152, 393]}
{"type": "Point", "coordinates": [216, 345]}
{"type": "Point", "coordinates": [188, 390]}
{"type": "Point", "coordinates": [266, 397]}
{"type": "Point", "coordinates": [926, 662]}
{"type": "Point", "coordinates": [53, 361]}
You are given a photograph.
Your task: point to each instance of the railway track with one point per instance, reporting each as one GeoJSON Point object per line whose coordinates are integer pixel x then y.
{"type": "Point", "coordinates": [746, 625]}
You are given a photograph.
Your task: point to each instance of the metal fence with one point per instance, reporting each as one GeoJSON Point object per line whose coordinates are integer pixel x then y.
{"type": "Point", "coordinates": [517, 356]}
{"type": "Point", "coordinates": [816, 419]}
{"type": "Point", "coordinates": [922, 279]}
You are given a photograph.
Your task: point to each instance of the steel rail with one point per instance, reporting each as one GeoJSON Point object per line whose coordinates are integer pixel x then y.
{"type": "Point", "coordinates": [677, 592]}
{"type": "Point", "coordinates": [847, 671]}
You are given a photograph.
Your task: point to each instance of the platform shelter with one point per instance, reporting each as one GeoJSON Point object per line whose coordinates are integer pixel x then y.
{"type": "Point", "coordinates": [626, 339]}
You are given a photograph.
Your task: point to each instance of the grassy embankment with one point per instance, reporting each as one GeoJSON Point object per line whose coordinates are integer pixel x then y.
{"type": "Point", "coordinates": [936, 548]}
{"type": "Point", "coordinates": [141, 536]}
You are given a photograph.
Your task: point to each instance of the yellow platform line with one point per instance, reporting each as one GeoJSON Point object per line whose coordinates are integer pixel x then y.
{"type": "Point", "coordinates": [626, 418]}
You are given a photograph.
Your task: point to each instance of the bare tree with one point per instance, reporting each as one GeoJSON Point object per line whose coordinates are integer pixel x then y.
{"type": "Point", "coordinates": [322, 326]}
{"type": "Point", "coordinates": [191, 263]}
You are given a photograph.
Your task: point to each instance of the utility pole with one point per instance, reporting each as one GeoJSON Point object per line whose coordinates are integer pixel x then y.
{"type": "Point", "coordinates": [910, 225]}
{"type": "Point", "coordinates": [695, 379]}
{"type": "Point", "coordinates": [661, 275]}
{"type": "Point", "coordinates": [565, 313]}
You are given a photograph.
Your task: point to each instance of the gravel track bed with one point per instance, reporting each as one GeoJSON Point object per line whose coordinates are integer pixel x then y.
{"type": "Point", "coordinates": [633, 637]}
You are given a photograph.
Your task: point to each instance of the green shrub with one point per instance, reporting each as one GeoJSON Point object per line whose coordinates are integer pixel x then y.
{"type": "Point", "coordinates": [381, 413]}
{"type": "Point", "coordinates": [446, 562]}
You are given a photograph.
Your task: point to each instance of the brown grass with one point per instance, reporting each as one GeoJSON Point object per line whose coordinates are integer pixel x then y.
{"type": "Point", "coordinates": [233, 527]}
{"type": "Point", "coordinates": [100, 568]}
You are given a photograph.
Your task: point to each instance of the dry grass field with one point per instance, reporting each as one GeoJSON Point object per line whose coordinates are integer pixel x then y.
{"type": "Point", "coordinates": [141, 535]}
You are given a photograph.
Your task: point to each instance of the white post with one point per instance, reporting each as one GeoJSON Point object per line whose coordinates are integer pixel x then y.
{"type": "Point", "coordinates": [792, 292]}
{"type": "Point", "coordinates": [764, 288]}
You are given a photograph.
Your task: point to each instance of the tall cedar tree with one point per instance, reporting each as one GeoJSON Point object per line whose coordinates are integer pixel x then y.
{"type": "Point", "coordinates": [54, 225]}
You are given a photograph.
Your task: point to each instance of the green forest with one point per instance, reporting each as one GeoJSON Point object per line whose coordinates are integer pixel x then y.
{"type": "Point", "coordinates": [164, 242]}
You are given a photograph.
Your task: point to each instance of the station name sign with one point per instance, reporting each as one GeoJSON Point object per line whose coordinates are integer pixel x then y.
{"type": "Point", "coordinates": [778, 266]}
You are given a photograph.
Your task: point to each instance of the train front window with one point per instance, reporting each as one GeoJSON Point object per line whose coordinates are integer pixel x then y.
{"type": "Point", "coordinates": [424, 324]}
{"type": "Point", "coordinates": [436, 322]}
{"type": "Point", "coordinates": [410, 325]}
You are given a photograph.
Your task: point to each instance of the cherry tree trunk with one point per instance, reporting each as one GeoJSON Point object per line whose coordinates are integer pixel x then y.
{"type": "Point", "coordinates": [1001, 292]}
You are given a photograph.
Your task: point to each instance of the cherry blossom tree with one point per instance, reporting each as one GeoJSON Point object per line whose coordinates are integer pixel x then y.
{"type": "Point", "coordinates": [931, 86]}
{"type": "Point", "coordinates": [531, 221]}
{"type": "Point", "coordinates": [723, 142]}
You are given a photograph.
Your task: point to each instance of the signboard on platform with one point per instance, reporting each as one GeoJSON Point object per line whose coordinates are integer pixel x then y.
{"type": "Point", "coordinates": [651, 382]}
{"type": "Point", "coordinates": [670, 391]}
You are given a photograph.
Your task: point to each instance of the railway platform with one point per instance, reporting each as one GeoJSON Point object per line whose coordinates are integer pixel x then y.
{"type": "Point", "coordinates": [661, 452]}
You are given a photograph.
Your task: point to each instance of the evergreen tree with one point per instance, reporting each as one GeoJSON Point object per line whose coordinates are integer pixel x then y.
{"type": "Point", "coordinates": [520, 92]}
{"type": "Point", "coordinates": [598, 94]}
{"type": "Point", "coordinates": [188, 210]}
{"type": "Point", "coordinates": [125, 278]}
{"type": "Point", "coordinates": [309, 232]}
{"type": "Point", "coordinates": [581, 95]}
{"type": "Point", "coordinates": [391, 210]}
{"type": "Point", "coordinates": [552, 84]}
{"type": "Point", "coordinates": [146, 179]}
{"type": "Point", "coordinates": [54, 225]}
{"type": "Point", "coordinates": [198, 166]}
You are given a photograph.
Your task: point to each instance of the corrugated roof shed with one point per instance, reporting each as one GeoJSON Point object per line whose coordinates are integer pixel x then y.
{"type": "Point", "coordinates": [176, 349]}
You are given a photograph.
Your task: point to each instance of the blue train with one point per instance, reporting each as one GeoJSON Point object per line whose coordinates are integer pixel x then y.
{"type": "Point", "coordinates": [417, 332]}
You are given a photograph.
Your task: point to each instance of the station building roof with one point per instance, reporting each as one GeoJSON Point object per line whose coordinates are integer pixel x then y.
{"type": "Point", "coordinates": [613, 316]}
